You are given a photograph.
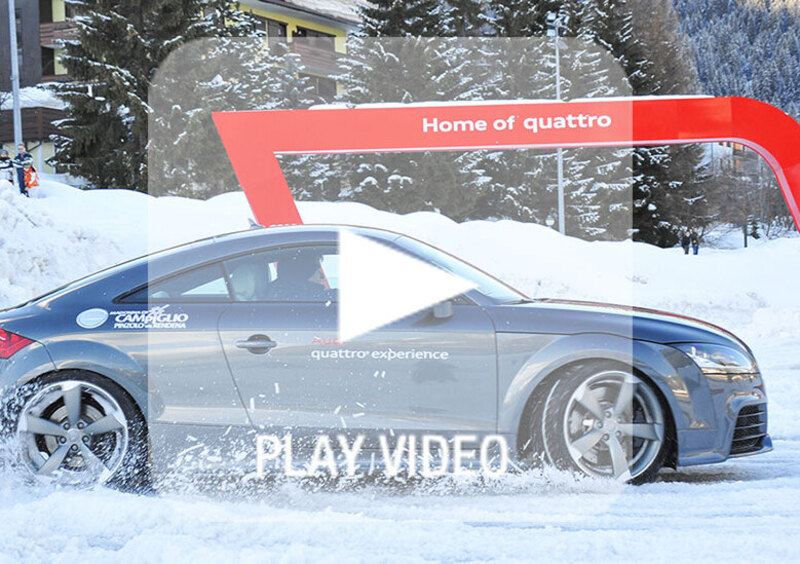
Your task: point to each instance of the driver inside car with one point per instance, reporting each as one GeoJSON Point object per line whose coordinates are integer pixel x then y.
{"type": "Point", "coordinates": [294, 280]}
{"type": "Point", "coordinates": [248, 281]}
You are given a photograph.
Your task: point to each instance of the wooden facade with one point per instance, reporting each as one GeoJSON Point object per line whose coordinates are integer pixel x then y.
{"type": "Point", "coordinates": [37, 124]}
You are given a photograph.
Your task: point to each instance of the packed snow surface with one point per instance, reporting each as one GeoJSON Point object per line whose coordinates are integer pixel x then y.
{"type": "Point", "coordinates": [744, 509]}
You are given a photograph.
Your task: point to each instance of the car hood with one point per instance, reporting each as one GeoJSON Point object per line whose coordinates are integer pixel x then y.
{"type": "Point", "coordinates": [573, 317]}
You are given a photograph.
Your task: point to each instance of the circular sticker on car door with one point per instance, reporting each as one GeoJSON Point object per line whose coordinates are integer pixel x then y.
{"type": "Point", "coordinates": [92, 318]}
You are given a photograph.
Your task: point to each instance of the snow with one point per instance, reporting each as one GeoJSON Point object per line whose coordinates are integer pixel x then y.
{"type": "Point", "coordinates": [744, 509]}
{"type": "Point", "coordinates": [32, 97]}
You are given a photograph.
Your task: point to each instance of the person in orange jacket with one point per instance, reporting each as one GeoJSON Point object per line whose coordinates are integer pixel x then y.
{"type": "Point", "coordinates": [31, 177]}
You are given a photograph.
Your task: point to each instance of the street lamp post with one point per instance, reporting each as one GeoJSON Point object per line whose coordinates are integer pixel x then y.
{"type": "Point", "coordinates": [555, 21]}
{"type": "Point", "coordinates": [12, 34]}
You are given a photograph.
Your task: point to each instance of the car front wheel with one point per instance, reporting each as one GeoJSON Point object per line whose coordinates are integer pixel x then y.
{"type": "Point", "coordinates": [603, 420]}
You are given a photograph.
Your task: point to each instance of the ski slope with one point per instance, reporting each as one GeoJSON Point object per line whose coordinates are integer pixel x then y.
{"type": "Point", "coordinates": [743, 510]}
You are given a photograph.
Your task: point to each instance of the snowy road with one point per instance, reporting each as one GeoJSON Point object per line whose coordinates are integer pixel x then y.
{"type": "Point", "coordinates": [746, 510]}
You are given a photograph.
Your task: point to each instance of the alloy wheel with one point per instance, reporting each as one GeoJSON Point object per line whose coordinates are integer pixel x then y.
{"type": "Point", "coordinates": [613, 425]}
{"type": "Point", "coordinates": [72, 433]}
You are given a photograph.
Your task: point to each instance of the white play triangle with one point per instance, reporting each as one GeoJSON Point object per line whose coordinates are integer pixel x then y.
{"type": "Point", "coordinates": [379, 285]}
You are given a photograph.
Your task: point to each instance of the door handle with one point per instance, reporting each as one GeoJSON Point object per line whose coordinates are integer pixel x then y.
{"type": "Point", "coordinates": [257, 344]}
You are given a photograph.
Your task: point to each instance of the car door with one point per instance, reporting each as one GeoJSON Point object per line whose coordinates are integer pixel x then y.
{"type": "Point", "coordinates": [419, 374]}
{"type": "Point", "coordinates": [188, 377]}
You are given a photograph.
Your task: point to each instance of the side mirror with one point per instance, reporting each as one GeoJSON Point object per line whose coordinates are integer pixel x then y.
{"type": "Point", "coordinates": [443, 310]}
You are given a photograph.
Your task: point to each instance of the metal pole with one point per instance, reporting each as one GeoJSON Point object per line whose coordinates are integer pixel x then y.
{"type": "Point", "coordinates": [558, 65]}
{"type": "Point", "coordinates": [12, 34]}
{"type": "Point", "coordinates": [559, 151]}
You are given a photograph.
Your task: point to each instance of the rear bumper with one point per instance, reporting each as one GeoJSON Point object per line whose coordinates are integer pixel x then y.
{"type": "Point", "coordinates": [27, 364]}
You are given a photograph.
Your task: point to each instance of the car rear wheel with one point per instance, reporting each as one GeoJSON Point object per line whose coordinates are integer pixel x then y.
{"type": "Point", "coordinates": [604, 420]}
{"type": "Point", "coordinates": [80, 430]}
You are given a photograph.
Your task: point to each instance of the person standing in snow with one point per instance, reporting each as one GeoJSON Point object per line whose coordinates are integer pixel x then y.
{"type": "Point", "coordinates": [19, 162]}
{"type": "Point", "coordinates": [31, 177]}
{"type": "Point", "coordinates": [686, 240]}
{"type": "Point", "coordinates": [695, 239]}
{"type": "Point", "coordinates": [6, 167]}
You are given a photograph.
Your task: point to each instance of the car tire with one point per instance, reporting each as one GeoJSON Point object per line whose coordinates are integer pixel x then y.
{"type": "Point", "coordinates": [77, 429]}
{"type": "Point", "coordinates": [601, 419]}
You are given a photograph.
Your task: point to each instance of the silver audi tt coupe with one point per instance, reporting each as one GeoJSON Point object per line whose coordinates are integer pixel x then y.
{"type": "Point", "coordinates": [236, 336]}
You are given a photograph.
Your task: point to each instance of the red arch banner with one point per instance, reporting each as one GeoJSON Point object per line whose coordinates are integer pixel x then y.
{"type": "Point", "coordinates": [254, 139]}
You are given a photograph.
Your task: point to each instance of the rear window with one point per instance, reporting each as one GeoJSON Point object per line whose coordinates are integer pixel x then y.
{"type": "Point", "coordinates": [204, 284]}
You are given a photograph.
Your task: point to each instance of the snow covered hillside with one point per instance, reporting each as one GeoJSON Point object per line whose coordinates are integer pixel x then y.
{"type": "Point", "coordinates": [743, 509]}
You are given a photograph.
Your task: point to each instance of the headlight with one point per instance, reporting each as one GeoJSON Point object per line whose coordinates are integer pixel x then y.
{"type": "Point", "coordinates": [718, 359]}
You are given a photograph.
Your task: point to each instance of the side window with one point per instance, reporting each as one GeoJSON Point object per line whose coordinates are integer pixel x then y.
{"type": "Point", "coordinates": [296, 274]}
{"type": "Point", "coordinates": [205, 284]}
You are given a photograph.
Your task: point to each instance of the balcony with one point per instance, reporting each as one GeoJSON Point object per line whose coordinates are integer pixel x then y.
{"type": "Point", "coordinates": [56, 78]}
{"type": "Point", "coordinates": [317, 60]}
{"type": "Point", "coordinates": [51, 32]}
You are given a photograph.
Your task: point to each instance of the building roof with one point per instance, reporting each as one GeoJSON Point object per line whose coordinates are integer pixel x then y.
{"type": "Point", "coordinates": [347, 11]}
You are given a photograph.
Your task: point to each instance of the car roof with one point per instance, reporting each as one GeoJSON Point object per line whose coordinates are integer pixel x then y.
{"type": "Point", "coordinates": [217, 247]}
{"type": "Point", "coordinates": [278, 234]}
{"type": "Point", "coordinates": [257, 231]}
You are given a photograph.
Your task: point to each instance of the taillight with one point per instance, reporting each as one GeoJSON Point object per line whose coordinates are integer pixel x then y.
{"type": "Point", "coordinates": [11, 343]}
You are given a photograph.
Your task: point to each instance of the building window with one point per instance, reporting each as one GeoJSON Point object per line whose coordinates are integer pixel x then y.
{"type": "Point", "coordinates": [48, 61]}
{"type": "Point", "coordinates": [261, 22]}
{"type": "Point", "coordinates": [324, 87]}
{"type": "Point", "coordinates": [276, 29]}
{"type": "Point", "coordinates": [45, 11]}
{"type": "Point", "coordinates": [316, 39]}
{"type": "Point", "coordinates": [276, 32]}
{"type": "Point", "coordinates": [276, 35]}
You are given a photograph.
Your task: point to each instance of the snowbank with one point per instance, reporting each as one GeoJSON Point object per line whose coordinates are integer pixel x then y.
{"type": "Point", "coordinates": [38, 252]}
{"type": "Point", "coordinates": [744, 288]}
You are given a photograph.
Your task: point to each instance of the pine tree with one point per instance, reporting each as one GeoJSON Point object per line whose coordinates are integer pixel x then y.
{"type": "Point", "coordinates": [407, 70]}
{"type": "Point", "coordinates": [117, 48]}
{"type": "Point", "coordinates": [397, 18]}
{"type": "Point", "coordinates": [465, 18]}
{"type": "Point", "coordinates": [186, 154]}
{"type": "Point", "coordinates": [667, 193]}
{"type": "Point", "coordinates": [520, 18]}
{"type": "Point", "coordinates": [519, 183]}
{"type": "Point", "coordinates": [596, 182]}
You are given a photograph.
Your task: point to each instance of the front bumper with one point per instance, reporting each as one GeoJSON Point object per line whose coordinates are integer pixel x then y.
{"type": "Point", "coordinates": [750, 433]}
{"type": "Point", "coordinates": [766, 446]}
{"type": "Point", "coordinates": [732, 424]}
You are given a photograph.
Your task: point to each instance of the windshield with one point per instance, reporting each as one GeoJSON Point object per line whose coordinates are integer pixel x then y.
{"type": "Point", "coordinates": [486, 284]}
